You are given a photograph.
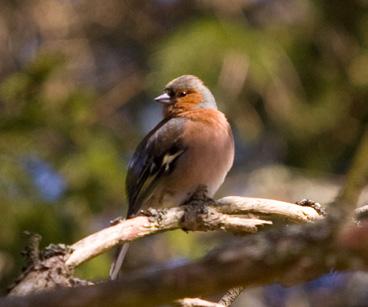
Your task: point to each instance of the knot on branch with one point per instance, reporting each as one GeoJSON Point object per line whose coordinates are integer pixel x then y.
{"type": "Point", "coordinates": [312, 204]}
{"type": "Point", "coordinates": [44, 269]}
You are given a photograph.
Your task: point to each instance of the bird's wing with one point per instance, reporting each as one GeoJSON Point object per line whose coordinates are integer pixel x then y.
{"type": "Point", "coordinates": [153, 159]}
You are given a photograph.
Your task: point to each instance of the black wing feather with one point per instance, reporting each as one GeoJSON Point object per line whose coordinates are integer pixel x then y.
{"type": "Point", "coordinates": [148, 164]}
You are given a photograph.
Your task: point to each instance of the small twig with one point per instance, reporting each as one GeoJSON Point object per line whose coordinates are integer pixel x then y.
{"type": "Point", "coordinates": [268, 207]}
{"type": "Point", "coordinates": [32, 250]}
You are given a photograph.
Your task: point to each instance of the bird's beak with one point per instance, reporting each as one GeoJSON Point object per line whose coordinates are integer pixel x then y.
{"type": "Point", "coordinates": [164, 98]}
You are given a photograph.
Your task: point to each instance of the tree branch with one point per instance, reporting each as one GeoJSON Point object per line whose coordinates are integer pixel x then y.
{"type": "Point", "coordinates": [217, 216]}
{"type": "Point", "coordinates": [287, 255]}
{"type": "Point", "coordinates": [227, 214]}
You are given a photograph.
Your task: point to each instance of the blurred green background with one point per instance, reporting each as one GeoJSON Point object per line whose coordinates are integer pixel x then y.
{"type": "Point", "coordinates": [77, 80]}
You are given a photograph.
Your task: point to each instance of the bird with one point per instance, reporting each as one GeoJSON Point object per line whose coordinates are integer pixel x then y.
{"type": "Point", "coordinates": [190, 148]}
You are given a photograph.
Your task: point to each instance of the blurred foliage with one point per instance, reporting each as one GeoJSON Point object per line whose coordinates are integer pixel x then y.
{"type": "Point", "coordinates": [77, 81]}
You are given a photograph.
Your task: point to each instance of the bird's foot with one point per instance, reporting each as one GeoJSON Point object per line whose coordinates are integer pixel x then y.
{"type": "Point", "coordinates": [200, 197]}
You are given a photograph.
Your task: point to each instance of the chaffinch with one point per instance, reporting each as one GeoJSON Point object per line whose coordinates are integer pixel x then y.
{"type": "Point", "coordinates": [191, 147]}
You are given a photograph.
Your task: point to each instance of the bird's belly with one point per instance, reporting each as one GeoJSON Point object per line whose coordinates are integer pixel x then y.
{"type": "Point", "coordinates": [202, 165]}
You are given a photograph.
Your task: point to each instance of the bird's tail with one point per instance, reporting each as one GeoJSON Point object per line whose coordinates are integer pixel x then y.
{"type": "Point", "coordinates": [118, 262]}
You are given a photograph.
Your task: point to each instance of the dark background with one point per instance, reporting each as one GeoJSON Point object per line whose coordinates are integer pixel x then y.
{"type": "Point", "coordinates": [77, 80]}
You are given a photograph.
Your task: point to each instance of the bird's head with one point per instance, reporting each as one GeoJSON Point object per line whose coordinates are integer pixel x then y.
{"type": "Point", "coordinates": [186, 93]}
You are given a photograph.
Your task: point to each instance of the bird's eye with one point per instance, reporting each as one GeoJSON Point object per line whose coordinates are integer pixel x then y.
{"type": "Point", "coordinates": [182, 94]}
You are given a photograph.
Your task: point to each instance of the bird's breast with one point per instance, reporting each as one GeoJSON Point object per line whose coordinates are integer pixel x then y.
{"type": "Point", "coordinates": [207, 159]}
